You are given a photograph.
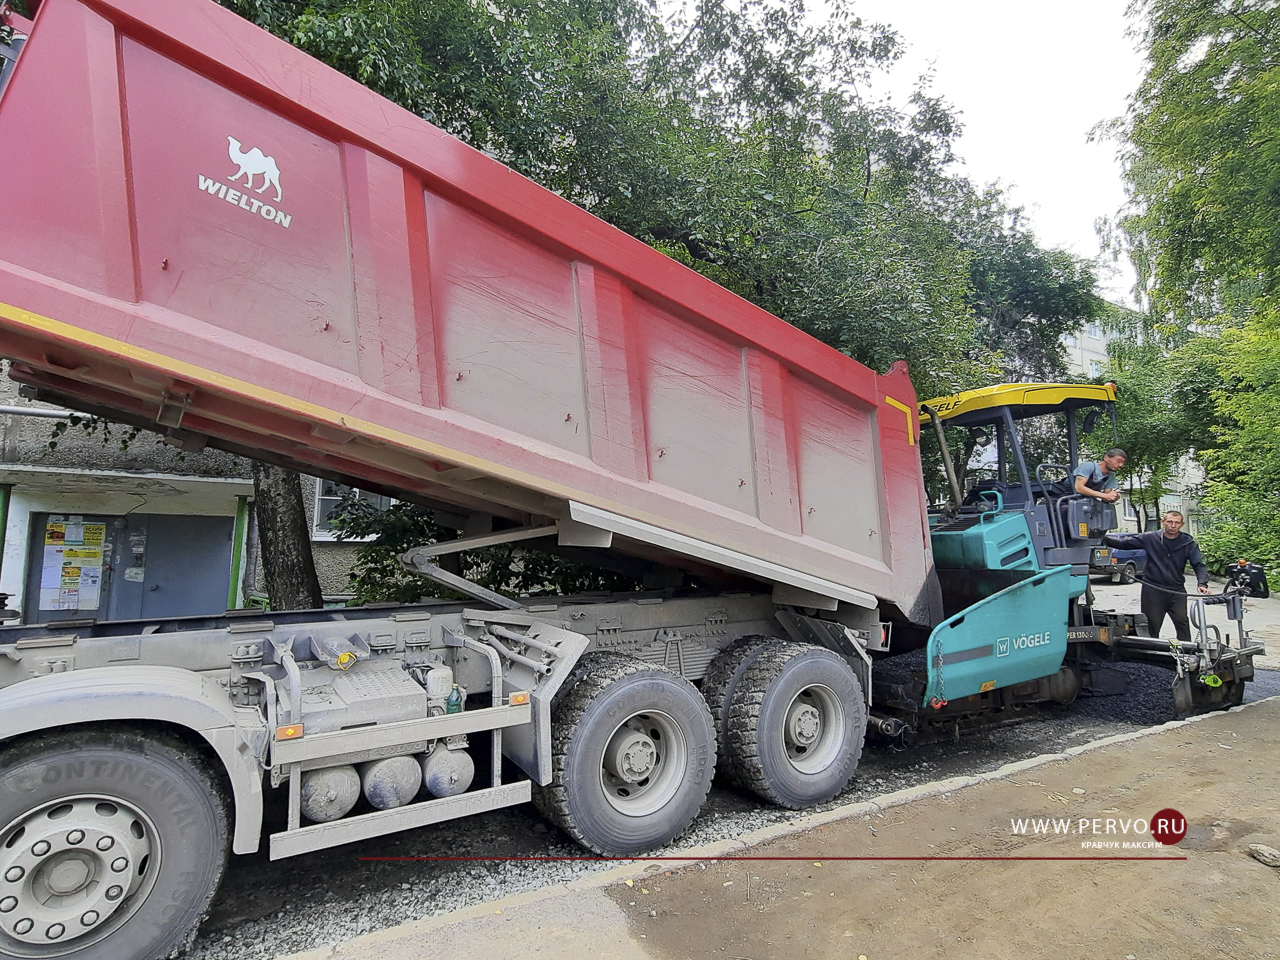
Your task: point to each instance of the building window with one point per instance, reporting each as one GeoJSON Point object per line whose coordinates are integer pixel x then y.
{"type": "Point", "coordinates": [1069, 339]}
{"type": "Point", "coordinates": [328, 495]}
{"type": "Point", "coordinates": [1095, 368]}
{"type": "Point", "coordinates": [1094, 330]}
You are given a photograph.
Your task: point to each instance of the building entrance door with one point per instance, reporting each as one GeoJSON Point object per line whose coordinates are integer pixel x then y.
{"type": "Point", "coordinates": [139, 566]}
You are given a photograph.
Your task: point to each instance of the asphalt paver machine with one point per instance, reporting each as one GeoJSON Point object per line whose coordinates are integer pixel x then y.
{"type": "Point", "coordinates": [1012, 522]}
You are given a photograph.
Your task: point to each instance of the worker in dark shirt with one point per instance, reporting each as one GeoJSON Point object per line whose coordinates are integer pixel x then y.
{"type": "Point", "coordinates": [1169, 550]}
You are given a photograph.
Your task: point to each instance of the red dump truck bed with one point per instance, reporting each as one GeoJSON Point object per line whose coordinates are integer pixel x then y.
{"type": "Point", "coordinates": [207, 230]}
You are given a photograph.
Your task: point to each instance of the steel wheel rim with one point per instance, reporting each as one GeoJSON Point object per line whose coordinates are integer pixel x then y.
{"type": "Point", "coordinates": [643, 763]}
{"type": "Point", "coordinates": [72, 871]}
{"type": "Point", "coordinates": [813, 729]}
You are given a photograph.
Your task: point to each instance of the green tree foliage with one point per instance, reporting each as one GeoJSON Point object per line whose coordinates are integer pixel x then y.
{"type": "Point", "coordinates": [736, 137]}
{"type": "Point", "coordinates": [1248, 453]}
{"type": "Point", "coordinates": [1240, 525]}
{"type": "Point", "coordinates": [1165, 382]}
{"type": "Point", "coordinates": [1025, 298]}
{"type": "Point", "coordinates": [1204, 153]}
{"type": "Point", "coordinates": [1243, 462]}
{"type": "Point", "coordinates": [1203, 164]}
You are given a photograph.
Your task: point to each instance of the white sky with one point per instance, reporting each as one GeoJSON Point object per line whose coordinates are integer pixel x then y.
{"type": "Point", "coordinates": [1029, 79]}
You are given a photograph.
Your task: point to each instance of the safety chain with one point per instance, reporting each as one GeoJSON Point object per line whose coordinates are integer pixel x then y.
{"type": "Point", "coordinates": [940, 700]}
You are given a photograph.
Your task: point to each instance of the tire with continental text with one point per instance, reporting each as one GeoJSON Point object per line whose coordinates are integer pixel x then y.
{"type": "Point", "coordinates": [112, 843]}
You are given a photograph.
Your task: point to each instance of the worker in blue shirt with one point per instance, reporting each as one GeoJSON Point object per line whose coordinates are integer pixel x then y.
{"type": "Point", "coordinates": [1098, 480]}
{"type": "Point", "coordinates": [1169, 550]}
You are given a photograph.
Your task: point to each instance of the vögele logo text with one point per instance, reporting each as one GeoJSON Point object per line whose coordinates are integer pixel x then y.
{"type": "Point", "coordinates": [250, 164]}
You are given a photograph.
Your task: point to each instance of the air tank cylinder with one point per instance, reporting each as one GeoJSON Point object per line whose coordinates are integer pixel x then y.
{"type": "Point", "coordinates": [446, 773]}
{"type": "Point", "coordinates": [329, 793]}
{"type": "Point", "coordinates": [392, 782]}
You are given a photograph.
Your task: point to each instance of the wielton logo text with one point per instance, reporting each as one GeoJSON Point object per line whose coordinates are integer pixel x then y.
{"type": "Point", "coordinates": [250, 163]}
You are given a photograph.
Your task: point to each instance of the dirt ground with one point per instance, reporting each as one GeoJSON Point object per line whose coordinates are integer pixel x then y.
{"type": "Point", "coordinates": [798, 898]}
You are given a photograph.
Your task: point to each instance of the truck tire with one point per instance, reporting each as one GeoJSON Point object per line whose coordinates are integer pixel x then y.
{"type": "Point", "coordinates": [796, 725]}
{"type": "Point", "coordinates": [112, 843]}
{"type": "Point", "coordinates": [633, 754]}
{"type": "Point", "coordinates": [721, 680]}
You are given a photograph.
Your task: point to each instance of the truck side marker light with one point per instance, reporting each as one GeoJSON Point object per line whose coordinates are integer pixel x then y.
{"type": "Point", "coordinates": [518, 698]}
{"type": "Point", "coordinates": [292, 732]}
{"type": "Point", "coordinates": [911, 432]}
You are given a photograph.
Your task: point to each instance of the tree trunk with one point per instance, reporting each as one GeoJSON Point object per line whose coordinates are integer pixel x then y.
{"type": "Point", "coordinates": [287, 564]}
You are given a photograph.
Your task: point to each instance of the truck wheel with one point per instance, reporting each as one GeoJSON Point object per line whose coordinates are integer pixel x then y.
{"type": "Point", "coordinates": [633, 753]}
{"type": "Point", "coordinates": [1128, 573]}
{"type": "Point", "coordinates": [112, 844]}
{"type": "Point", "coordinates": [720, 682]}
{"type": "Point", "coordinates": [796, 725]}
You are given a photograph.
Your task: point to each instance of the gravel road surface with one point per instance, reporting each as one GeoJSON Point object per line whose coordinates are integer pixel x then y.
{"type": "Point", "coordinates": [265, 909]}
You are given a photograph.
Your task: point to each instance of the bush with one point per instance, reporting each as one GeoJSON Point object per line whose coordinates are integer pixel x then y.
{"type": "Point", "coordinates": [1240, 524]}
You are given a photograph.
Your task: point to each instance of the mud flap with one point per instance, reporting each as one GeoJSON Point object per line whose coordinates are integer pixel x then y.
{"type": "Point", "coordinates": [1015, 635]}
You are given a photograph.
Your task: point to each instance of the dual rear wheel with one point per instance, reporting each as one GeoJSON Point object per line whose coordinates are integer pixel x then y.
{"type": "Point", "coordinates": [633, 754]}
{"type": "Point", "coordinates": [792, 721]}
{"type": "Point", "coordinates": [634, 746]}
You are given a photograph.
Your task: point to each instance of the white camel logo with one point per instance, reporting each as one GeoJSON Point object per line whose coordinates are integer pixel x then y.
{"type": "Point", "coordinates": [253, 163]}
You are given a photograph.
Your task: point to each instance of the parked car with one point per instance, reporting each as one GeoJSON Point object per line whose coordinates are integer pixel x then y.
{"type": "Point", "coordinates": [1122, 566]}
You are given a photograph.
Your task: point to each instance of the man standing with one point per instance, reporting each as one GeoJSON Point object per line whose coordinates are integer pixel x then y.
{"type": "Point", "coordinates": [1098, 480]}
{"type": "Point", "coordinates": [1169, 550]}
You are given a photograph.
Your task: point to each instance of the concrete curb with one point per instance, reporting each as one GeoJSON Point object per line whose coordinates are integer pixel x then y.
{"type": "Point", "coordinates": [638, 869]}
